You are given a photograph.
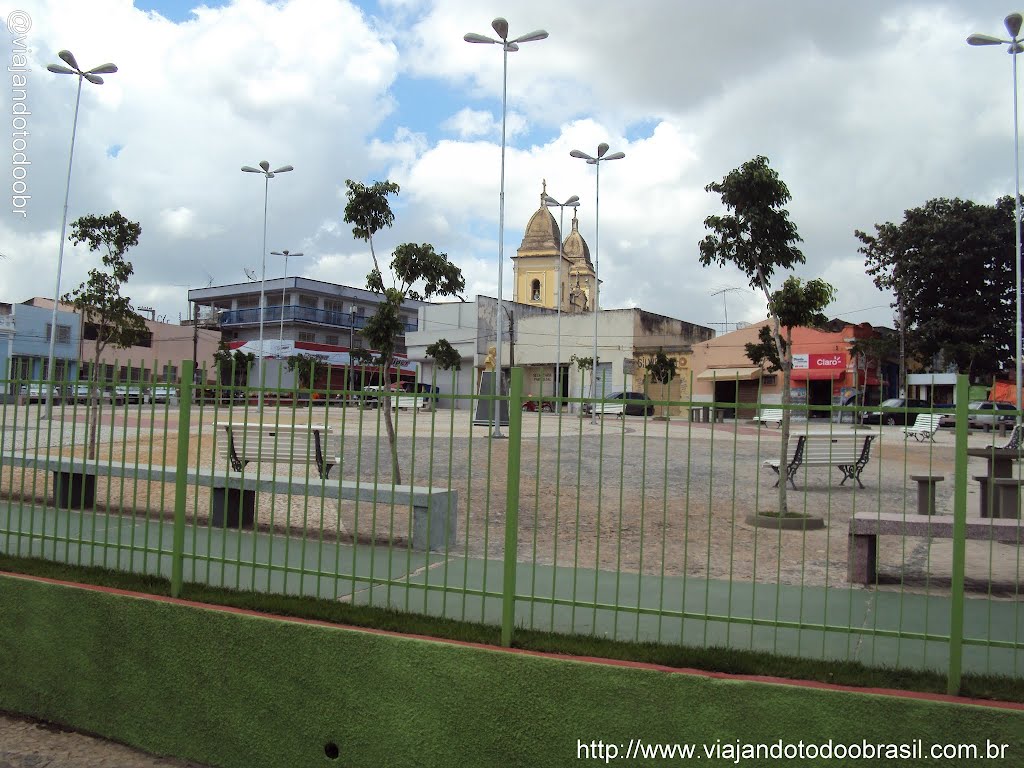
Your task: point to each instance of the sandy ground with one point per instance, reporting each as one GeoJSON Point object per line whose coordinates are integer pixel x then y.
{"type": "Point", "coordinates": [636, 495]}
{"type": "Point", "coordinates": [28, 743]}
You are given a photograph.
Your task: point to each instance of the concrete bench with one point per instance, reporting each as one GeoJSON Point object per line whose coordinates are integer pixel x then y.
{"type": "Point", "coordinates": [769, 415]}
{"type": "Point", "coordinates": [866, 527]}
{"type": "Point", "coordinates": [848, 452]}
{"type": "Point", "coordinates": [434, 510]}
{"type": "Point", "coordinates": [924, 427]}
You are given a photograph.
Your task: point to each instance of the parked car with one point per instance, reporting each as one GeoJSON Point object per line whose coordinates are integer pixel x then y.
{"type": "Point", "coordinates": [870, 398]}
{"type": "Point", "coordinates": [127, 393]}
{"type": "Point", "coordinates": [637, 403]}
{"type": "Point", "coordinates": [989, 414]}
{"type": "Point", "coordinates": [162, 393]}
{"type": "Point", "coordinates": [35, 393]}
{"type": "Point", "coordinates": [896, 415]}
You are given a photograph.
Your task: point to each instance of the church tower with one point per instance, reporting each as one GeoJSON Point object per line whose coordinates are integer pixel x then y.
{"type": "Point", "coordinates": [541, 278]}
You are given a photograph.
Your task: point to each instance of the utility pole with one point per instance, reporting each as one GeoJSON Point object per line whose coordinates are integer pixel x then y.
{"type": "Point", "coordinates": [511, 338]}
{"type": "Point", "coordinates": [195, 336]}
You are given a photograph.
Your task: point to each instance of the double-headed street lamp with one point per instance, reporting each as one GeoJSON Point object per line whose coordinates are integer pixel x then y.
{"type": "Point", "coordinates": [500, 26]}
{"type": "Point", "coordinates": [1013, 24]}
{"type": "Point", "coordinates": [93, 76]}
{"type": "Point", "coordinates": [267, 176]}
{"type": "Point", "coordinates": [287, 255]}
{"type": "Point", "coordinates": [602, 155]}
{"type": "Point", "coordinates": [550, 202]}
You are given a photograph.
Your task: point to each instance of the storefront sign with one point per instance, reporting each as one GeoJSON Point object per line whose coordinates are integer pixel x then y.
{"type": "Point", "coordinates": [835, 361]}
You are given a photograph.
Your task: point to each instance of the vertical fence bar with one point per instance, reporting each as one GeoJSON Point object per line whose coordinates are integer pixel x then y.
{"type": "Point", "coordinates": [956, 618]}
{"type": "Point", "coordinates": [515, 441]}
{"type": "Point", "coordinates": [181, 477]}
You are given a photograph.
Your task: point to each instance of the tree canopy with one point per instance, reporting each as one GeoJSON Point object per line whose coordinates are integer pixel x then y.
{"type": "Point", "coordinates": [950, 263]}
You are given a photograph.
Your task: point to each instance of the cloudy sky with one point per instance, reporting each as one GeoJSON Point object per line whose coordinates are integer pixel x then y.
{"type": "Point", "coordinates": [864, 109]}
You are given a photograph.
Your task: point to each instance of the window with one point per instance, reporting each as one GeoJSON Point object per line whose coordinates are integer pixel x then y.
{"type": "Point", "coordinates": [63, 333]}
{"type": "Point", "coordinates": [333, 305]}
{"type": "Point", "coordinates": [308, 301]}
{"type": "Point", "coordinates": [332, 339]}
{"type": "Point", "coordinates": [535, 290]}
{"type": "Point", "coordinates": [307, 336]}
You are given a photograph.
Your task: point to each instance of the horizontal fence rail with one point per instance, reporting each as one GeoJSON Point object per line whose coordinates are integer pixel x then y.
{"type": "Point", "coordinates": [899, 543]}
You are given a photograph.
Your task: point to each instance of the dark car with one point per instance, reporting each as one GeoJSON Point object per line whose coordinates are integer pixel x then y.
{"type": "Point", "coordinates": [870, 398]}
{"type": "Point", "coordinates": [637, 404]}
{"type": "Point", "coordinates": [893, 412]}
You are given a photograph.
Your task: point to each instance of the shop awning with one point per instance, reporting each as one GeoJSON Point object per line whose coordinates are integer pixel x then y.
{"type": "Point", "coordinates": [805, 374]}
{"type": "Point", "coordinates": [730, 374]}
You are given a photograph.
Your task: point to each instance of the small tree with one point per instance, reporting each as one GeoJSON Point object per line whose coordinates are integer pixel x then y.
{"type": "Point", "coordinates": [99, 298]}
{"type": "Point", "coordinates": [305, 366]}
{"type": "Point", "coordinates": [446, 357]}
{"type": "Point", "coordinates": [412, 265]}
{"type": "Point", "coordinates": [757, 237]}
{"type": "Point", "coordinates": [584, 364]}
{"type": "Point", "coordinates": [232, 366]}
{"type": "Point", "coordinates": [662, 369]}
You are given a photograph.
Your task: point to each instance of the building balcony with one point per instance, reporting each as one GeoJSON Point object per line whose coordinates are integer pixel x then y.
{"type": "Point", "coordinates": [297, 314]}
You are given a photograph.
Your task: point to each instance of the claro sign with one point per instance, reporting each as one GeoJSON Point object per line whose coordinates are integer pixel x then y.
{"type": "Point", "coordinates": [835, 361]}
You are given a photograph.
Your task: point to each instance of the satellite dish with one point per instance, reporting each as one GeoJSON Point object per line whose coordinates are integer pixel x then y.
{"type": "Point", "coordinates": [250, 273]}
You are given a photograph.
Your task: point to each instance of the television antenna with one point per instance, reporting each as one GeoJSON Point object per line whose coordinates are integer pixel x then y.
{"type": "Point", "coordinates": [250, 273]}
{"type": "Point", "coordinates": [722, 292]}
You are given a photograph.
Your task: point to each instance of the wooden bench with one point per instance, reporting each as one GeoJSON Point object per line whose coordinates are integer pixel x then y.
{"type": "Point", "coordinates": [866, 527]}
{"type": "Point", "coordinates": [924, 427]}
{"type": "Point", "coordinates": [768, 415]}
{"type": "Point", "coordinates": [610, 409]}
{"type": "Point", "coordinates": [274, 444]}
{"type": "Point", "coordinates": [849, 452]}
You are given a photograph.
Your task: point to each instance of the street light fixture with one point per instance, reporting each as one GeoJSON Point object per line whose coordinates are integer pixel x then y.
{"type": "Point", "coordinates": [93, 76]}
{"type": "Point", "coordinates": [602, 155]}
{"type": "Point", "coordinates": [287, 255]}
{"type": "Point", "coordinates": [550, 202]}
{"type": "Point", "coordinates": [500, 27]}
{"type": "Point", "coordinates": [267, 176]}
{"type": "Point", "coordinates": [1012, 24]}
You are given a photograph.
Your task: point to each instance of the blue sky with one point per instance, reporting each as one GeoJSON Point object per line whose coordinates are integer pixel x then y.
{"type": "Point", "coordinates": [862, 119]}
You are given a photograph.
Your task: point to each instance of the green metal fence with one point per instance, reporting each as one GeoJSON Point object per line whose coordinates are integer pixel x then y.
{"type": "Point", "coordinates": [661, 527]}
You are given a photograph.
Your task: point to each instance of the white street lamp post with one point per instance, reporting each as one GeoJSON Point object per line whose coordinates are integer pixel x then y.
{"type": "Point", "coordinates": [267, 176]}
{"type": "Point", "coordinates": [500, 26]}
{"type": "Point", "coordinates": [602, 155]}
{"type": "Point", "coordinates": [287, 255]}
{"type": "Point", "coordinates": [1012, 24]}
{"type": "Point", "coordinates": [550, 202]}
{"type": "Point", "coordinates": [93, 76]}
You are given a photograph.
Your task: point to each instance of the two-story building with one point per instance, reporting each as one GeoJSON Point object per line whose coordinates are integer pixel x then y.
{"type": "Point", "coordinates": [25, 341]}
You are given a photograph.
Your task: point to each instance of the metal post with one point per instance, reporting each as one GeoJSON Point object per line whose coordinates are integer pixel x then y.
{"type": "Point", "coordinates": [181, 478]}
{"type": "Point", "coordinates": [597, 252]}
{"type": "Point", "coordinates": [496, 430]}
{"type": "Point", "coordinates": [956, 618]}
{"type": "Point", "coordinates": [511, 555]}
{"type": "Point", "coordinates": [1016, 220]}
{"type": "Point", "coordinates": [558, 322]}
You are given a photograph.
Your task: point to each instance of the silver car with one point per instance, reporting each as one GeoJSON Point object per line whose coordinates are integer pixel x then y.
{"type": "Point", "coordinates": [988, 414]}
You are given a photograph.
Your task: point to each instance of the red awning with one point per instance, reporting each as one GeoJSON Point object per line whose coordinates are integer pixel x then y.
{"type": "Point", "coordinates": [806, 374]}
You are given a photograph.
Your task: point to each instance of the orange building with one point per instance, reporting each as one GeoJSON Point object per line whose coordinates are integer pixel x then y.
{"type": "Point", "coordinates": [825, 369]}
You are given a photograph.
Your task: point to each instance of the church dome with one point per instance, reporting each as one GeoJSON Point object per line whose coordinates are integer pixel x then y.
{"type": "Point", "coordinates": [576, 248]}
{"type": "Point", "coordinates": [542, 233]}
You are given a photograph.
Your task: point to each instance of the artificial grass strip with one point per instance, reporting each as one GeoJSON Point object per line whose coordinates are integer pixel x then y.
{"type": "Point", "coordinates": [237, 690]}
{"type": "Point", "coordinates": [713, 659]}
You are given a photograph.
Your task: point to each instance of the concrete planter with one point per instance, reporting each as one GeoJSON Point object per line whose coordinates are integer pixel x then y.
{"type": "Point", "coordinates": [791, 522]}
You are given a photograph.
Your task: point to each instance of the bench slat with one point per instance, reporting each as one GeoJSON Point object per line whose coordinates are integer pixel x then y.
{"type": "Point", "coordinates": [849, 453]}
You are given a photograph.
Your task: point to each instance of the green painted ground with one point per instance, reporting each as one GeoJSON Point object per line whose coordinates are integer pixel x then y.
{"type": "Point", "coordinates": [707, 612]}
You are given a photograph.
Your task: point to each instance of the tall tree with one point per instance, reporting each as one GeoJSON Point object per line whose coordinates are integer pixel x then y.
{"type": "Point", "coordinates": [418, 272]}
{"type": "Point", "coordinates": [757, 236]}
{"type": "Point", "coordinates": [99, 298]}
{"type": "Point", "coordinates": [949, 264]}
